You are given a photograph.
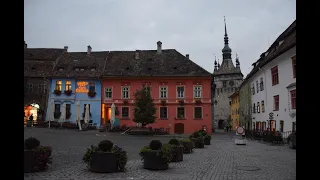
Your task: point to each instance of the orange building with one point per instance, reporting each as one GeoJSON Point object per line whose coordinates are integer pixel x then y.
{"type": "Point", "coordinates": [180, 88]}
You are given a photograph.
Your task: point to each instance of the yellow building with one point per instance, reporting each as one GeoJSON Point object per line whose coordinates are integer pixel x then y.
{"type": "Point", "coordinates": [235, 106]}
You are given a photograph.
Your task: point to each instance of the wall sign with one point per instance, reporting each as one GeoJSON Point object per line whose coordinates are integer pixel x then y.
{"type": "Point", "coordinates": [82, 87]}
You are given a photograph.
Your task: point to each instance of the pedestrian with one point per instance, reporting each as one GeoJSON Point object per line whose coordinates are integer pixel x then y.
{"type": "Point", "coordinates": [31, 117]}
{"type": "Point", "coordinates": [227, 128]}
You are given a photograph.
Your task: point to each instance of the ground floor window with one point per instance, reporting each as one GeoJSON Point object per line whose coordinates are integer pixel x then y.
{"type": "Point", "coordinates": [163, 113]}
{"type": "Point", "coordinates": [180, 112]}
{"type": "Point", "coordinates": [125, 112]}
{"type": "Point", "coordinates": [197, 112]}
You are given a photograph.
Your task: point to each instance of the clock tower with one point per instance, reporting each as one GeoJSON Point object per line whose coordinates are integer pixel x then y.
{"type": "Point", "coordinates": [227, 79]}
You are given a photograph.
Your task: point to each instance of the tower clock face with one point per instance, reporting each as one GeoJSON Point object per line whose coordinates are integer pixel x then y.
{"type": "Point", "coordinates": [231, 83]}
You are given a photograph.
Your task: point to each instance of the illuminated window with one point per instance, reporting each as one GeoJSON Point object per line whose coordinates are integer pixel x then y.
{"type": "Point", "coordinates": [92, 87]}
{"type": "Point", "coordinates": [59, 85]}
{"type": "Point", "coordinates": [68, 86]}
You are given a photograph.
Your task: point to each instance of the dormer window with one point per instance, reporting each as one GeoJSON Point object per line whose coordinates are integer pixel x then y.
{"type": "Point", "coordinates": [93, 69]}
{"type": "Point", "coordinates": [60, 69]}
{"type": "Point", "coordinates": [266, 54]}
{"type": "Point", "coordinates": [76, 69]}
{"type": "Point", "coordinates": [82, 69]}
{"type": "Point", "coordinates": [280, 43]}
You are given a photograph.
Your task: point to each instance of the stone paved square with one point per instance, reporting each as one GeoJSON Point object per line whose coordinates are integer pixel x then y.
{"type": "Point", "coordinates": [222, 160]}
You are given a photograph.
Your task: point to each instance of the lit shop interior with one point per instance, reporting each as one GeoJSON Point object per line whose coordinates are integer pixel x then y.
{"type": "Point", "coordinates": [31, 109]}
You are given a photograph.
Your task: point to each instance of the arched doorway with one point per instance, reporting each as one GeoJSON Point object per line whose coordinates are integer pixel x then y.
{"type": "Point", "coordinates": [179, 128]}
{"type": "Point", "coordinates": [221, 124]}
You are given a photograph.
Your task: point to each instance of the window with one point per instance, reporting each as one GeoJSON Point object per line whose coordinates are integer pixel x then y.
{"type": "Point", "coordinates": [252, 89]}
{"type": "Point", "coordinates": [68, 108]}
{"type": "Point", "coordinates": [294, 66]}
{"type": "Point", "coordinates": [108, 93]}
{"type": "Point", "coordinates": [257, 84]}
{"type": "Point", "coordinates": [263, 126]}
{"type": "Point", "coordinates": [293, 99]}
{"type": "Point", "coordinates": [57, 108]}
{"type": "Point", "coordinates": [84, 108]}
{"type": "Point", "coordinates": [262, 106]}
{"type": "Point", "coordinates": [261, 84]}
{"type": "Point", "coordinates": [293, 126]}
{"type": "Point", "coordinates": [275, 75]}
{"type": "Point", "coordinates": [281, 126]}
{"type": "Point", "coordinates": [180, 112]}
{"type": "Point", "coordinates": [163, 113]}
{"type": "Point", "coordinates": [180, 91]}
{"type": "Point", "coordinates": [258, 107]}
{"type": "Point", "coordinates": [125, 112]}
{"type": "Point", "coordinates": [92, 87]}
{"type": "Point", "coordinates": [258, 125]}
{"type": "Point", "coordinates": [125, 92]}
{"type": "Point", "coordinates": [41, 88]}
{"type": "Point", "coordinates": [197, 91]}
{"type": "Point", "coordinates": [254, 108]}
{"type": "Point", "coordinates": [197, 112]}
{"type": "Point", "coordinates": [68, 86]}
{"type": "Point", "coordinates": [163, 92]}
{"type": "Point", "coordinates": [276, 103]}
{"type": "Point", "coordinates": [58, 85]}
{"type": "Point", "coordinates": [30, 87]}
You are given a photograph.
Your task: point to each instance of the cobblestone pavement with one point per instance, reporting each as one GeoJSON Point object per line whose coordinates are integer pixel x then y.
{"type": "Point", "coordinates": [223, 160]}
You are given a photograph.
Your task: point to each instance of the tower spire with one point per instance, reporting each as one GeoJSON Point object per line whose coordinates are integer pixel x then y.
{"type": "Point", "coordinates": [226, 51]}
{"type": "Point", "coordinates": [226, 39]}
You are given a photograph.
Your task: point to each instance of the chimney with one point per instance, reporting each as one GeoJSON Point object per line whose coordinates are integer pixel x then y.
{"type": "Point", "coordinates": [159, 47]}
{"type": "Point", "coordinates": [65, 48]}
{"type": "Point", "coordinates": [187, 56]}
{"type": "Point", "coordinates": [25, 45]}
{"type": "Point", "coordinates": [137, 54]}
{"type": "Point", "coordinates": [89, 50]}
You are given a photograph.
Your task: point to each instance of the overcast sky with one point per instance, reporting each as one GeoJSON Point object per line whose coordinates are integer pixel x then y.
{"type": "Point", "coordinates": [194, 27]}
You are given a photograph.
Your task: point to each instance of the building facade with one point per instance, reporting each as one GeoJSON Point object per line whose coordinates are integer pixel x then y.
{"type": "Point", "coordinates": [38, 64]}
{"type": "Point", "coordinates": [227, 79]}
{"type": "Point", "coordinates": [272, 82]}
{"type": "Point", "coordinates": [234, 110]}
{"type": "Point", "coordinates": [245, 105]}
{"type": "Point", "coordinates": [76, 78]}
{"type": "Point", "coordinates": [181, 89]}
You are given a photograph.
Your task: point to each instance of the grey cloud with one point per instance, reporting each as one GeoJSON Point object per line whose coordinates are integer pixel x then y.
{"type": "Point", "coordinates": [190, 26]}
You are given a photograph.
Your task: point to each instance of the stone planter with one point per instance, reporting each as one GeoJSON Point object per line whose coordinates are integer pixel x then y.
{"type": "Point", "coordinates": [153, 162]}
{"type": "Point", "coordinates": [104, 162]}
{"type": "Point", "coordinates": [178, 154]}
{"type": "Point", "coordinates": [29, 160]}
{"type": "Point", "coordinates": [207, 141]}
{"type": "Point", "coordinates": [199, 145]}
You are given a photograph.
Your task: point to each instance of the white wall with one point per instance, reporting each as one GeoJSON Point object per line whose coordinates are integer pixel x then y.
{"type": "Point", "coordinates": [284, 63]}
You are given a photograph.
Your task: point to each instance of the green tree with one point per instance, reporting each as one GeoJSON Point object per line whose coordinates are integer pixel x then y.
{"type": "Point", "coordinates": [145, 110]}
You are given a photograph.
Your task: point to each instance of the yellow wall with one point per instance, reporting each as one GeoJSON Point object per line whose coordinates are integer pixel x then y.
{"type": "Point", "coordinates": [235, 114]}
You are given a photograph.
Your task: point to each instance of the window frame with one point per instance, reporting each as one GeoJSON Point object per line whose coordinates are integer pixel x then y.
{"type": "Point", "coordinates": [177, 92]}
{"type": "Point", "coordinates": [276, 103]}
{"type": "Point", "coordinates": [275, 75]}
{"type": "Point", "coordinates": [184, 112]}
{"type": "Point", "coordinates": [105, 92]}
{"type": "Point", "coordinates": [122, 91]}
{"type": "Point", "coordinates": [293, 101]}
{"type": "Point", "coordinates": [124, 117]}
{"type": "Point", "coordinates": [194, 112]}
{"type": "Point", "coordinates": [166, 92]}
{"type": "Point", "coordinates": [194, 91]}
{"type": "Point", "coordinates": [163, 118]}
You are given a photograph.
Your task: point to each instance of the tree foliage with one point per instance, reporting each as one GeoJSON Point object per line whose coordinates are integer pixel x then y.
{"type": "Point", "coordinates": [145, 110]}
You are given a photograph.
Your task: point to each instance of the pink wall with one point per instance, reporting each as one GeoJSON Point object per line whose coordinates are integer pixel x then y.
{"type": "Point", "coordinates": [190, 124]}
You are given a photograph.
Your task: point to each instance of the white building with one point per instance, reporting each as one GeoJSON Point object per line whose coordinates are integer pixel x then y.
{"type": "Point", "coordinates": [273, 85]}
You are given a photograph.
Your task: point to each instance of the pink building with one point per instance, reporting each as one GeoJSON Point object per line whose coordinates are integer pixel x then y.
{"type": "Point", "coordinates": [180, 88]}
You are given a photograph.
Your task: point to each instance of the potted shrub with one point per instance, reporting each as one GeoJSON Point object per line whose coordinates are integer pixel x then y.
{"type": "Point", "coordinates": [91, 94]}
{"type": "Point", "coordinates": [68, 92]}
{"type": "Point", "coordinates": [36, 157]}
{"type": "Point", "coordinates": [207, 139]}
{"type": "Point", "coordinates": [156, 156]}
{"type": "Point", "coordinates": [105, 158]}
{"type": "Point", "coordinates": [57, 92]}
{"type": "Point", "coordinates": [187, 145]}
{"type": "Point", "coordinates": [198, 142]}
{"type": "Point", "coordinates": [177, 150]}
